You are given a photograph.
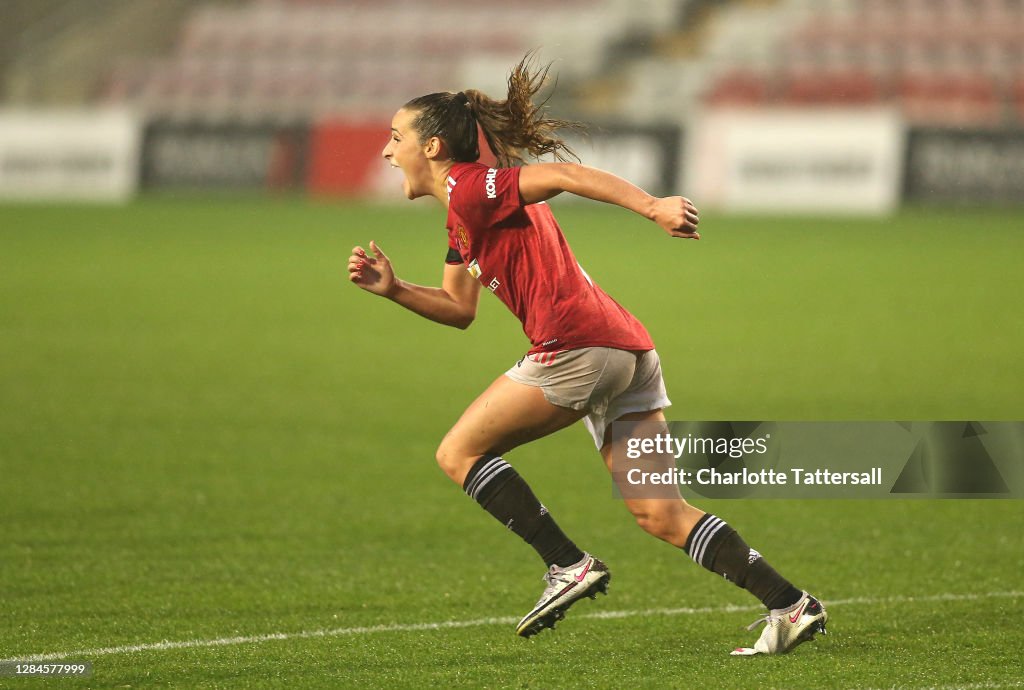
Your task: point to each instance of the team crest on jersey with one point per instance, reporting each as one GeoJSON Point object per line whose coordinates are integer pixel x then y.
{"type": "Point", "coordinates": [462, 237]}
{"type": "Point", "coordinates": [474, 269]}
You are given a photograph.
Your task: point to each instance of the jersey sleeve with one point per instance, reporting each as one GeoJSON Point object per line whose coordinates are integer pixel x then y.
{"type": "Point", "coordinates": [487, 197]}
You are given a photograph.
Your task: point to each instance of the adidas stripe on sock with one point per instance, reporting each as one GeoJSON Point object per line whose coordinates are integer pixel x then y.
{"type": "Point", "coordinates": [477, 480]}
{"type": "Point", "coordinates": [700, 538]}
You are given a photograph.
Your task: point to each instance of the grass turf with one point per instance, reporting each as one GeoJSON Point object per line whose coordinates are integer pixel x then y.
{"type": "Point", "coordinates": [206, 433]}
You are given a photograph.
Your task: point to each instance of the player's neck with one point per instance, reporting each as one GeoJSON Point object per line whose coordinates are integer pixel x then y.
{"type": "Point", "coordinates": [441, 169]}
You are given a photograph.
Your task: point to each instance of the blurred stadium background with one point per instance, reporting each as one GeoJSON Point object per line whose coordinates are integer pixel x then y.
{"type": "Point", "coordinates": [783, 104]}
{"type": "Point", "coordinates": [205, 433]}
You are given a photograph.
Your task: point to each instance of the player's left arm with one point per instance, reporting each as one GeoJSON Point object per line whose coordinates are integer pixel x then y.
{"type": "Point", "coordinates": [542, 181]}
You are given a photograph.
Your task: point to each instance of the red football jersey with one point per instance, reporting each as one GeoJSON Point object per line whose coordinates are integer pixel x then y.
{"type": "Point", "coordinates": [518, 252]}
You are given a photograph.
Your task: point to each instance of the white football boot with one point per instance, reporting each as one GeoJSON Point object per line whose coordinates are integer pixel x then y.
{"type": "Point", "coordinates": [786, 628]}
{"type": "Point", "coordinates": [565, 586]}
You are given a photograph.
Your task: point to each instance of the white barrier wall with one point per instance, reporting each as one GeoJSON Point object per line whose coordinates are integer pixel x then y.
{"type": "Point", "coordinates": [790, 160]}
{"type": "Point", "coordinates": [73, 154]}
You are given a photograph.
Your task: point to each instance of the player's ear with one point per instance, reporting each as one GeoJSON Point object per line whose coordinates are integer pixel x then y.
{"type": "Point", "coordinates": [434, 149]}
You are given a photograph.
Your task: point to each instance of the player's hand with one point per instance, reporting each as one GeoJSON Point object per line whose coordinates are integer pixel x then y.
{"type": "Point", "coordinates": [372, 274]}
{"type": "Point", "coordinates": [677, 216]}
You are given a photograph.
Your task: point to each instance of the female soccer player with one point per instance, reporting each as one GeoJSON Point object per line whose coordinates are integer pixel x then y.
{"type": "Point", "coordinates": [590, 359]}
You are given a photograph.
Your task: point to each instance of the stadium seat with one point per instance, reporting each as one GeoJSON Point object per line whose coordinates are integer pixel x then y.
{"type": "Point", "coordinates": [852, 87]}
{"type": "Point", "coordinates": [738, 88]}
{"type": "Point", "coordinates": [1017, 98]}
{"type": "Point", "coordinates": [949, 99]}
{"type": "Point", "coordinates": [838, 52]}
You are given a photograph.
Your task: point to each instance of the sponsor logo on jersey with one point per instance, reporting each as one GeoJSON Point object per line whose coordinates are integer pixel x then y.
{"type": "Point", "coordinates": [489, 184]}
{"type": "Point", "coordinates": [494, 284]}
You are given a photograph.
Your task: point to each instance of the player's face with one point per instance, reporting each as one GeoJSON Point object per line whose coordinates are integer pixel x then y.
{"type": "Point", "coordinates": [405, 151]}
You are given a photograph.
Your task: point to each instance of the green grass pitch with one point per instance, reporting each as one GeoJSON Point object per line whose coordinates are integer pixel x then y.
{"type": "Point", "coordinates": [208, 437]}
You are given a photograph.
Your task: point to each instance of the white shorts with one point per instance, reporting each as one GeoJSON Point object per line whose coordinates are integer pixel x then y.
{"type": "Point", "coordinates": [606, 382]}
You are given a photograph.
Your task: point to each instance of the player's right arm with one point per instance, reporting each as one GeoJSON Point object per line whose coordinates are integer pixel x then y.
{"type": "Point", "coordinates": [452, 304]}
{"type": "Point", "coordinates": [539, 182]}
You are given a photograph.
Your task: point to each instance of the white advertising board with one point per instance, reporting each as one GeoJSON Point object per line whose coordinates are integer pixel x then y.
{"type": "Point", "coordinates": [69, 154]}
{"type": "Point", "coordinates": [796, 160]}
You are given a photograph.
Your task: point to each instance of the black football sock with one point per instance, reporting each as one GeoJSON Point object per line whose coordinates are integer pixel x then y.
{"type": "Point", "coordinates": [500, 491]}
{"type": "Point", "coordinates": [716, 546]}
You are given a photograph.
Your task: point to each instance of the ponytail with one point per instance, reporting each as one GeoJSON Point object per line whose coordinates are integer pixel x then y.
{"type": "Point", "coordinates": [514, 127]}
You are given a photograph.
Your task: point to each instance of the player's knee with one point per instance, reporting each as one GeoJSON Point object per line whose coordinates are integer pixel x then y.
{"type": "Point", "coordinates": [444, 457]}
{"type": "Point", "coordinates": [452, 462]}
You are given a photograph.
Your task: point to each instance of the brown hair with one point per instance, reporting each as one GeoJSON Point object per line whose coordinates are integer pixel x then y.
{"type": "Point", "coordinates": [513, 127]}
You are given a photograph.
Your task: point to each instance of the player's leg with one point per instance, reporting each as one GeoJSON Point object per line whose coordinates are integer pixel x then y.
{"type": "Point", "coordinates": [707, 539]}
{"type": "Point", "coordinates": [506, 415]}
{"type": "Point", "coordinates": [536, 398]}
{"type": "Point", "coordinates": [794, 616]}
{"type": "Point", "coordinates": [667, 517]}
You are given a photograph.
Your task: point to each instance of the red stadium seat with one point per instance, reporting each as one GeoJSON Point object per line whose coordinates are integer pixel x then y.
{"type": "Point", "coordinates": [738, 88]}
{"type": "Point", "coordinates": [1017, 98]}
{"type": "Point", "coordinates": [852, 87]}
{"type": "Point", "coordinates": [950, 99]}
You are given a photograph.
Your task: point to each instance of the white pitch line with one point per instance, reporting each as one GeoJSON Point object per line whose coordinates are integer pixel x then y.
{"type": "Point", "coordinates": [478, 622]}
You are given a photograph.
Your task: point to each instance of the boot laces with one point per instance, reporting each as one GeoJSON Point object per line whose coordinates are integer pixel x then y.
{"type": "Point", "coordinates": [555, 577]}
{"type": "Point", "coordinates": [766, 620]}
